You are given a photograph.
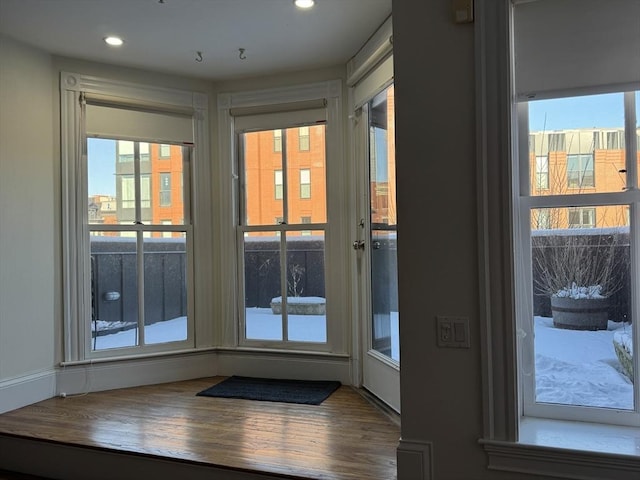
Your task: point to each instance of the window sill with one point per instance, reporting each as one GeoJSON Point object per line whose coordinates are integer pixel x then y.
{"type": "Point", "coordinates": [567, 449]}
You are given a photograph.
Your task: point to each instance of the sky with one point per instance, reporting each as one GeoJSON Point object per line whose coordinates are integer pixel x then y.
{"type": "Point", "coordinates": [571, 367]}
{"type": "Point", "coordinates": [101, 155]}
{"type": "Point", "coordinates": [603, 111]}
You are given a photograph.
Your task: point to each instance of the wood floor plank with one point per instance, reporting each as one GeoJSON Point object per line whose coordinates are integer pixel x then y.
{"type": "Point", "coordinates": [344, 438]}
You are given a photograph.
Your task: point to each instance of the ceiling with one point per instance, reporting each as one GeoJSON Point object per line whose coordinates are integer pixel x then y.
{"type": "Point", "coordinates": [166, 35]}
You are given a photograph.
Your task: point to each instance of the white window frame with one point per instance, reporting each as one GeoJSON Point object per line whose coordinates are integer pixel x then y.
{"type": "Point", "coordinates": [512, 442]}
{"type": "Point", "coordinates": [76, 292]}
{"type": "Point", "coordinates": [276, 103]}
{"type": "Point", "coordinates": [525, 202]}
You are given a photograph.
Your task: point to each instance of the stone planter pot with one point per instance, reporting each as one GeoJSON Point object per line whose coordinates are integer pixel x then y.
{"type": "Point", "coordinates": [299, 305]}
{"type": "Point", "coordinates": [580, 313]}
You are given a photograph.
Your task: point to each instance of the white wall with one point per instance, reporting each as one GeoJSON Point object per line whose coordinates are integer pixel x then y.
{"type": "Point", "coordinates": [28, 233]}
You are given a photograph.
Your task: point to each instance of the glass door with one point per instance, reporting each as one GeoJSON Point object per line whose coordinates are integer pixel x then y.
{"type": "Point", "coordinates": [378, 246]}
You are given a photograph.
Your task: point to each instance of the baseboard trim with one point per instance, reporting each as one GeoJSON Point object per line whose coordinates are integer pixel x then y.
{"type": "Point", "coordinates": [415, 459]}
{"type": "Point", "coordinates": [95, 377]}
{"type": "Point", "coordinates": [22, 391]}
{"type": "Point", "coordinates": [264, 364]}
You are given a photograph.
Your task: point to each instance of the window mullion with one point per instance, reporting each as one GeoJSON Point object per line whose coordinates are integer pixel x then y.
{"type": "Point", "coordinates": [285, 180]}
{"type": "Point", "coordinates": [140, 270]}
{"type": "Point", "coordinates": [283, 284]}
{"type": "Point", "coordinates": [283, 238]}
{"type": "Point", "coordinates": [136, 182]}
{"type": "Point", "coordinates": [631, 140]}
{"type": "Point", "coordinates": [139, 241]}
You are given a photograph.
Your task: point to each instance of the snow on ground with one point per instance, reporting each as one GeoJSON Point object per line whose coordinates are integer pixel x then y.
{"type": "Point", "coordinates": [572, 367]}
{"type": "Point", "coordinates": [580, 367]}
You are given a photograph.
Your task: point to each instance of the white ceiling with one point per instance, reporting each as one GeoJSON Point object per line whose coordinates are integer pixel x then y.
{"type": "Point", "coordinates": [166, 35]}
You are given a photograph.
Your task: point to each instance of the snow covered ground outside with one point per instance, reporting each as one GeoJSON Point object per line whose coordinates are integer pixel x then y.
{"type": "Point", "coordinates": [572, 367]}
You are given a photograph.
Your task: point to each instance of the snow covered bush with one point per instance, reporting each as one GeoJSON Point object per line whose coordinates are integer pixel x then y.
{"type": "Point", "coordinates": [579, 263]}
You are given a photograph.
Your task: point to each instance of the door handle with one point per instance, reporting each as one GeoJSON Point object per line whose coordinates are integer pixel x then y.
{"type": "Point", "coordinates": [358, 245]}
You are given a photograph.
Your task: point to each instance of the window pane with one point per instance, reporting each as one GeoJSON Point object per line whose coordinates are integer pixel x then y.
{"type": "Point", "coordinates": [101, 174]}
{"type": "Point", "coordinates": [582, 307]}
{"type": "Point", "coordinates": [165, 288]}
{"type": "Point", "coordinates": [307, 320]}
{"type": "Point", "coordinates": [263, 186]}
{"type": "Point", "coordinates": [306, 176]}
{"type": "Point", "coordinates": [583, 141]}
{"type": "Point", "coordinates": [114, 290]}
{"type": "Point", "coordinates": [262, 284]}
{"type": "Point", "coordinates": [164, 199]}
{"type": "Point", "coordinates": [112, 183]}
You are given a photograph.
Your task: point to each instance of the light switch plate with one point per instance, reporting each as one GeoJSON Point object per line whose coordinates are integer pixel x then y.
{"type": "Point", "coordinates": [452, 332]}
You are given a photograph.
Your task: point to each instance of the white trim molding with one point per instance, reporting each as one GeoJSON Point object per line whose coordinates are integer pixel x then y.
{"type": "Point", "coordinates": [25, 390]}
{"type": "Point", "coordinates": [90, 376]}
{"type": "Point", "coordinates": [415, 460]}
{"type": "Point", "coordinates": [75, 266]}
{"type": "Point", "coordinates": [293, 365]}
{"type": "Point", "coordinates": [560, 463]}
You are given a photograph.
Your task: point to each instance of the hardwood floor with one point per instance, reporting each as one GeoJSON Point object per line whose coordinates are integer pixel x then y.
{"type": "Point", "coordinates": [344, 438]}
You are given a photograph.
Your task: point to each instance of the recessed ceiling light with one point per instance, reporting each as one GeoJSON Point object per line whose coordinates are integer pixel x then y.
{"type": "Point", "coordinates": [114, 41]}
{"type": "Point", "coordinates": [304, 3]}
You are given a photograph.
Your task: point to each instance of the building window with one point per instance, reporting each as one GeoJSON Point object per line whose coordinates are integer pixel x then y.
{"type": "Point", "coordinates": [278, 184]}
{"type": "Point", "coordinates": [165, 189]}
{"type": "Point", "coordinates": [582, 217]}
{"type": "Point", "coordinates": [541, 219]}
{"type": "Point", "coordinates": [305, 221]}
{"type": "Point", "coordinates": [615, 140]}
{"type": "Point", "coordinates": [542, 172]}
{"type": "Point", "coordinates": [303, 139]}
{"type": "Point", "coordinates": [580, 171]}
{"type": "Point", "coordinates": [305, 183]}
{"type": "Point", "coordinates": [165, 150]}
{"type": "Point", "coordinates": [557, 142]}
{"type": "Point", "coordinates": [277, 140]}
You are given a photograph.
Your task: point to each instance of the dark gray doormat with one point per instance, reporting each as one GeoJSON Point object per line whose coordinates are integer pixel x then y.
{"type": "Point", "coordinates": [310, 392]}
